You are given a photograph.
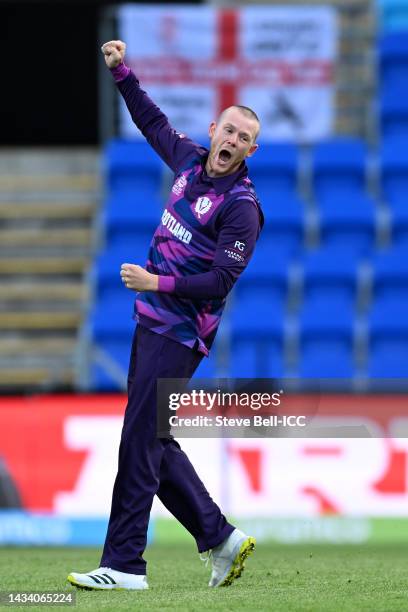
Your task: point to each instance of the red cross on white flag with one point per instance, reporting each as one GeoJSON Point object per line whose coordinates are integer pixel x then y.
{"type": "Point", "coordinates": [196, 61]}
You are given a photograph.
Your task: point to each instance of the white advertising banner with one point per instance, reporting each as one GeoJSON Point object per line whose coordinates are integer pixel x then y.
{"type": "Point", "coordinates": [195, 61]}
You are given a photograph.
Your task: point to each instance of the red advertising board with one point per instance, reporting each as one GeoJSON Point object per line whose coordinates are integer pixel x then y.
{"type": "Point", "coordinates": [61, 453]}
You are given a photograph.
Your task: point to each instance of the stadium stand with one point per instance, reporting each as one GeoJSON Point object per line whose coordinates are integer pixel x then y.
{"type": "Point", "coordinates": [133, 168]}
{"type": "Point", "coordinates": [393, 59]}
{"type": "Point", "coordinates": [390, 275]}
{"type": "Point", "coordinates": [348, 221]}
{"type": "Point", "coordinates": [319, 286]}
{"type": "Point", "coordinates": [339, 168]}
{"type": "Point", "coordinates": [326, 335]}
{"type": "Point", "coordinates": [331, 259]}
{"type": "Point", "coordinates": [394, 14]}
{"type": "Point", "coordinates": [268, 274]}
{"type": "Point", "coordinates": [394, 112]}
{"type": "Point", "coordinates": [47, 207]}
{"type": "Point", "coordinates": [274, 172]}
{"type": "Point", "coordinates": [330, 273]}
{"type": "Point", "coordinates": [399, 220]}
{"type": "Point", "coordinates": [285, 224]}
{"type": "Point", "coordinates": [388, 339]}
{"type": "Point", "coordinates": [128, 225]}
{"type": "Point", "coordinates": [394, 169]}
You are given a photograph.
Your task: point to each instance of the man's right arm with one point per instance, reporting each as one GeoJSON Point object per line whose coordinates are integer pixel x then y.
{"type": "Point", "coordinates": [172, 147]}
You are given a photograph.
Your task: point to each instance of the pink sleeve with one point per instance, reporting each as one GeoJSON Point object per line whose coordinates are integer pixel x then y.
{"type": "Point", "coordinates": [120, 72]}
{"type": "Point", "coordinates": [167, 284]}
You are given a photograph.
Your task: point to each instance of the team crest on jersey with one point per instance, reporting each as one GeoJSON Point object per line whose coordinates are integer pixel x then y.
{"type": "Point", "coordinates": [179, 185]}
{"type": "Point", "coordinates": [202, 206]}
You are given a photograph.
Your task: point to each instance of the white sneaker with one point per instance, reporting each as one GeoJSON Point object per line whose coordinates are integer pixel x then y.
{"type": "Point", "coordinates": [105, 578]}
{"type": "Point", "coordinates": [228, 558]}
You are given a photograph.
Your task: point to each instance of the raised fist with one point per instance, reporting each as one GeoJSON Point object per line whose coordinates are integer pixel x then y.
{"type": "Point", "coordinates": [114, 52]}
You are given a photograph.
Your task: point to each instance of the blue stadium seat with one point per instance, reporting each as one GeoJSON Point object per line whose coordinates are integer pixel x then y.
{"type": "Point", "coordinates": [394, 14]}
{"type": "Point", "coordinates": [256, 358]}
{"type": "Point", "coordinates": [330, 272]}
{"type": "Point", "coordinates": [112, 329]}
{"type": "Point", "coordinates": [273, 169]}
{"type": "Point", "coordinates": [326, 330]}
{"type": "Point", "coordinates": [118, 352]}
{"type": "Point", "coordinates": [285, 226]}
{"type": "Point", "coordinates": [393, 54]}
{"type": "Point", "coordinates": [390, 275]}
{"type": "Point", "coordinates": [126, 219]}
{"type": "Point", "coordinates": [348, 223]}
{"type": "Point", "coordinates": [388, 339]}
{"type": "Point", "coordinates": [133, 166]}
{"type": "Point", "coordinates": [106, 272]}
{"type": "Point", "coordinates": [394, 169]}
{"type": "Point", "coordinates": [257, 330]}
{"type": "Point", "coordinates": [339, 168]}
{"type": "Point", "coordinates": [267, 273]}
{"type": "Point", "coordinates": [394, 112]}
{"type": "Point", "coordinates": [251, 315]}
{"type": "Point", "coordinates": [111, 322]}
{"type": "Point", "coordinates": [399, 221]}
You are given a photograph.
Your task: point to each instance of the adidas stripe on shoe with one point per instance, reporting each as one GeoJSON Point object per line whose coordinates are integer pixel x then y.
{"type": "Point", "coordinates": [105, 578]}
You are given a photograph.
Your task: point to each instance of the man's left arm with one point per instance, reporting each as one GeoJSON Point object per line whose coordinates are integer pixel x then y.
{"type": "Point", "coordinates": [235, 245]}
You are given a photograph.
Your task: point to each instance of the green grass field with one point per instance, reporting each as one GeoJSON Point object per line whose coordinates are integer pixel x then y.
{"type": "Point", "coordinates": [299, 577]}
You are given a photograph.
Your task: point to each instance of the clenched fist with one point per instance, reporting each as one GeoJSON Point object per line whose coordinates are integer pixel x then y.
{"type": "Point", "coordinates": [114, 52]}
{"type": "Point", "coordinates": [137, 278]}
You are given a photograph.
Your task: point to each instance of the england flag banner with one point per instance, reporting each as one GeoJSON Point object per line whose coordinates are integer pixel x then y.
{"type": "Point", "coordinates": [195, 61]}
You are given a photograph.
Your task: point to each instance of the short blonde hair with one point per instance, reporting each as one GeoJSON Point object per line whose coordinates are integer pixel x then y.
{"type": "Point", "coordinates": [248, 112]}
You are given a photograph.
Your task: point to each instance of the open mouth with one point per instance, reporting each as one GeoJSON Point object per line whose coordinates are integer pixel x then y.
{"type": "Point", "coordinates": [224, 156]}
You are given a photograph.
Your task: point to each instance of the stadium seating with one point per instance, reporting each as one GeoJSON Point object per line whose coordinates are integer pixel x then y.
{"type": "Point", "coordinates": [326, 329]}
{"type": "Point", "coordinates": [393, 54]}
{"type": "Point", "coordinates": [134, 200]}
{"type": "Point", "coordinates": [274, 171]}
{"type": "Point", "coordinates": [348, 222]}
{"type": "Point", "coordinates": [388, 339]}
{"type": "Point", "coordinates": [394, 112]}
{"type": "Point", "coordinates": [339, 168]}
{"type": "Point", "coordinates": [348, 228]}
{"type": "Point", "coordinates": [394, 14]}
{"type": "Point", "coordinates": [133, 166]}
{"type": "Point", "coordinates": [285, 225]}
{"type": "Point", "coordinates": [111, 324]}
{"type": "Point", "coordinates": [267, 273]}
{"type": "Point", "coordinates": [261, 359]}
{"type": "Point", "coordinates": [330, 272]}
{"type": "Point", "coordinates": [127, 218]}
{"type": "Point", "coordinates": [394, 169]}
{"type": "Point", "coordinates": [399, 221]}
{"type": "Point", "coordinates": [111, 327]}
{"type": "Point", "coordinates": [390, 275]}
{"type": "Point", "coordinates": [106, 272]}
{"type": "Point", "coordinates": [257, 330]}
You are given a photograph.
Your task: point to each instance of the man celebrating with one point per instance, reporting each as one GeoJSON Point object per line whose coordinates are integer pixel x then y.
{"type": "Point", "coordinates": [205, 239]}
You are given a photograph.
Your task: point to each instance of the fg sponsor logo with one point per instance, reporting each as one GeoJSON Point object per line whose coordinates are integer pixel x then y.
{"type": "Point", "coordinates": [239, 245]}
{"type": "Point", "coordinates": [202, 206]}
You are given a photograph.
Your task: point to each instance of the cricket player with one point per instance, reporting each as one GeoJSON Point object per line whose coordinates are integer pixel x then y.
{"type": "Point", "coordinates": [204, 241]}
